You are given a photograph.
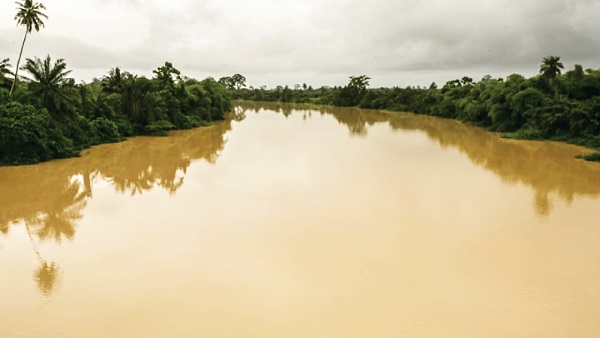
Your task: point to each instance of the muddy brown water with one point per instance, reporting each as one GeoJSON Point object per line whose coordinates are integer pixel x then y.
{"type": "Point", "coordinates": [304, 222]}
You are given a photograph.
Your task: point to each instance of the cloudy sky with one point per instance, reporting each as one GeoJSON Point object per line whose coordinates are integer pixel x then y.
{"type": "Point", "coordinates": [318, 42]}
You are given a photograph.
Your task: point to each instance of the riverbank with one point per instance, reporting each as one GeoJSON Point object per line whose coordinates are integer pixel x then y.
{"type": "Point", "coordinates": [42, 121]}
{"type": "Point", "coordinates": [588, 152]}
{"type": "Point", "coordinates": [549, 106]}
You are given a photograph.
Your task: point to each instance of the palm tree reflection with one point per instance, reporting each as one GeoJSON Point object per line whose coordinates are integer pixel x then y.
{"type": "Point", "coordinates": [46, 276]}
{"type": "Point", "coordinates": [49, 198]}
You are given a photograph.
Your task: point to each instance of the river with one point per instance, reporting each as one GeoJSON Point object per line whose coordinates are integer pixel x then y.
{"type": "Point", "coordinates": [291, 221]}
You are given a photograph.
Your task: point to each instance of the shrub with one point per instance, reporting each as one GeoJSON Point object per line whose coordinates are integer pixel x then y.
{"type": "Point", "coordinates": [27, 135]}
{"type": "Point", "coordinates": [159, 128]}
{"type": "Point", "coordinates": [106, 131]}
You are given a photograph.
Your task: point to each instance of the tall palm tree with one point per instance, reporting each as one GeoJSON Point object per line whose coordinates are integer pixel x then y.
{"type": "Point", "coordinates": [29, 14]}
{"type": "Point", "coordinates": [48, 82]}
{"type": "Point", "coordinates": [550, 69]}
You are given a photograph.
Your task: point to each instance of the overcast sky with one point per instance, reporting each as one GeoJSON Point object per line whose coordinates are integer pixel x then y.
{"type": "Point", "coordinates": [318, 42]}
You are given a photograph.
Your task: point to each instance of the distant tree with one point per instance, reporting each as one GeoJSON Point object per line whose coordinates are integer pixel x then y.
{"type": "Point", "coordinates": [239, 81]}
{"type": "Point", "coordinates": [29, 14]}
{"type": "Point", "coordinates": [486, 78]}
{"type": "Point", "coordinates": [113, 82]}
{"type": "Point", "coordinates": [228, 82]}
{"type": "Point", "coordinates": [551, 67]}
{"type": "Point", "coordinates": [286, 94]}
{"type": "Point", "coordinates": [359, 82]}
{"type": "Point", "coordinates": [453, 84]}
{"type": "Point", "coordinates": [577, 73]}
{"type": "Point", "coordinates": [167, 75]}
{"type": "Point", "coordinates": [353, 93]}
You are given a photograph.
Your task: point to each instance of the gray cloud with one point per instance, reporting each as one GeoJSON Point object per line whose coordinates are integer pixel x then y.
{"type": "Point", "coordinates": [396, 42]}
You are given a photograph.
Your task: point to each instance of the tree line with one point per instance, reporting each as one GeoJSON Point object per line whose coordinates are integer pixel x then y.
{"type": "Point", "coordinates": [45, 114]}
{"type": "Point", "coordinates": [549, 106]}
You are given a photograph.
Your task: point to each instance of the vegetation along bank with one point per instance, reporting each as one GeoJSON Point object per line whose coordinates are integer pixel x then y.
{"type": "Point", "coordinates": [549, 106]}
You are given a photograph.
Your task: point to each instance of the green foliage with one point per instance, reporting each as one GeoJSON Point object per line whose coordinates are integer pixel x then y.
{"type": "Point", "coordinates": [29, 14]}
{"type": "Point", "coordinates": [236, 82]}
{"type": "Point", "coordinates": [51, 117]}
{"type": "Point", "coordinates": [353, 93]}
{"type": "Point", "coordinates": [547, 106]}
{"type": "Point", "coordinates": [4, 71]}
{"type": "Point", "coordinates": [159, 127]}
{"type": "Point", "coordinates": [49, 87]}
{"type": "Point", "coordinates": [551, 67]}
{"type": "Point", "coordinates": [27, 135]}
{"type": "Point", "coordinates": [105, 131]}
{"type": "Point", "coordinates": [220, 99]}
{"type": "Point", "coordinates": [593, 157]}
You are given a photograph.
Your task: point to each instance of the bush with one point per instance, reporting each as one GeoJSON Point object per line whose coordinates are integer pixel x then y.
{"type": "Point", "coordinates": [27, 135]}
{"type": "Point", "coordinates": [106, 131]}
{"type": "Point", "coordinates": [593, 157]}
{"type": "Point", "coordinates": [159, 128]}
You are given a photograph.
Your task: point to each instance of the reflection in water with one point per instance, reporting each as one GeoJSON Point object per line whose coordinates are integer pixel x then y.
{"type": "Point", "coordinates": [302, 231]}
{"type": "Point", "coordinates": [547, 167]}
{"type": "Point", "coordinates": [46, 276]}
{"type": "Point", "coordinates": [49, 198]}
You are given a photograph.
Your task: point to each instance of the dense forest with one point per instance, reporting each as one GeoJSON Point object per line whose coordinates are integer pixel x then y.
{"type": "Point", "coordinates": [50, 116]}
{"type": "Point", "coordinates": [549, 106]}
{"type": "Point", "coordinates": [45, 114]}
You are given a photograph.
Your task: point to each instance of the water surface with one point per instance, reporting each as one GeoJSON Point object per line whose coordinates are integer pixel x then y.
{"type": "Point", "coordinates": [304, 222]}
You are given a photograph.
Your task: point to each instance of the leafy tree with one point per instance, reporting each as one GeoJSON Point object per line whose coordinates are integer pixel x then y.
{"type": "Point", "coordinates": [466, 80]}
{"type": "Point", "coordinates": [352, 94]}
{"type": "Point", "coordinates": [359, 82]}
{"type": "Point", "coordinates": [220, 98]}
{"type": "Point", "coordinates": [228, 82]}
{"type": "Point", "coordinates": [29, 14]}
{"type": "Point", "coordinates": [239, 81]}
{"type": "Point", "coordinates": [167, 75]}
{"type": "Point", "coordinates": [234, 82]}
{"type": "Point", "coordinates": [48, 85]}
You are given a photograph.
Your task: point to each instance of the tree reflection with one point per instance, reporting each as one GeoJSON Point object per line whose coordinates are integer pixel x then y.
{"type": "Point", "coordinates": [48, 199]}
{"type": "Point", "coordinates": [541, 165]}
{"type": "Point", "coordinates": [60, 220]}
{"type": "Point", "coordinates": [46, 276]}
